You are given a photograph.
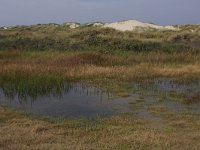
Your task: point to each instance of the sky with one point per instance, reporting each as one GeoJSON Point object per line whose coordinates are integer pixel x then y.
{"type": "Point", "coordinates": [162, 12]}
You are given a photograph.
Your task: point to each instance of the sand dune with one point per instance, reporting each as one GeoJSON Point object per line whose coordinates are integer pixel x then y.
{"type": "Point", "coordinates": [130, 25]}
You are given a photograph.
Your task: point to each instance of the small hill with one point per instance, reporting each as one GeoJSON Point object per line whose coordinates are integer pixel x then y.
{"type": "Point", "coordinates": [130, 25]}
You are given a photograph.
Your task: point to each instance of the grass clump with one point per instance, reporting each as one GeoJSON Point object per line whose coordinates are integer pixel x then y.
{"type": "Point", "coordinates": [31, 84]}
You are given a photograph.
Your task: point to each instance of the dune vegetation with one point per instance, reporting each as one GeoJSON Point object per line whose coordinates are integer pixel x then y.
{"type": "Point", "coordinates": [38, 59]}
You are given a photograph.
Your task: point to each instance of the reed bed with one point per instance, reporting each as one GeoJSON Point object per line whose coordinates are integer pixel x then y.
{"type": "Point", "coordinates": [47, 70]}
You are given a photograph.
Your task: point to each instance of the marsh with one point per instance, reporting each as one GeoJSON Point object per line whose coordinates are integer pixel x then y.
{"type": "Point", "coordinates": [99, 88]}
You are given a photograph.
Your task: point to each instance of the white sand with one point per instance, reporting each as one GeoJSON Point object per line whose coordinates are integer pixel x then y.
{"type": "Point", "coordinates": [134, 24]}
{"type": "Point", "coordinates": [72, 25]}
{"type": "Point", "coordinates": [5, 28]}
{"type": "Point", "coordinates": [95, 24]}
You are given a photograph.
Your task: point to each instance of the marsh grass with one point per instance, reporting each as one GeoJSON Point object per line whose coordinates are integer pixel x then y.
{"type": "Point", "coordinates": [157, 109]}
{"type": "Point", "coordinates": [193, 98]}
{"type": "Point", "coordinates": [25, 84]}
{"type": "Point", "coordinates": [18, 131]}
{"type": "Point", "coordinates": [35, 72]}
{"type": "Point", "coordinates": [43, 59]}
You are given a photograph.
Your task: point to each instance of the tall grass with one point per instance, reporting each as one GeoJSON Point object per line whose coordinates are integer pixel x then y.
{"type": "Point", "coordinates": [23, 84]}
{"type": "Point", "coordinates": [42, 72]}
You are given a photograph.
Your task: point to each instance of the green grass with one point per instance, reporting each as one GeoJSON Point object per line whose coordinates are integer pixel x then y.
{"type": "Point", "coordinates": [32, 84]}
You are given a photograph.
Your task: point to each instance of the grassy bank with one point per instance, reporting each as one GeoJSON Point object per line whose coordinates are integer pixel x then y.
{"type": "Point", "coordinates": [174, 131]}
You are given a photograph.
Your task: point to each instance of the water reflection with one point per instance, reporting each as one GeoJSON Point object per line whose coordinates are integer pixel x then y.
{"type": "Point", "coordinates": [75, 100]}
{"type": "Point", "coordinates": [78, 100]}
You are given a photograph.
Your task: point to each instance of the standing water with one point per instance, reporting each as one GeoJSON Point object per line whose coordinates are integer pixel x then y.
{"type": "Point", "coordinates": [79, 100]}
{"type": "Point", "coordinates": [85, 101]}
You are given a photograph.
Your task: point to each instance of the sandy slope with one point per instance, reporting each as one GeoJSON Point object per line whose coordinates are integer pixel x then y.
{"type": "Point", "coordinates": [130, 25]}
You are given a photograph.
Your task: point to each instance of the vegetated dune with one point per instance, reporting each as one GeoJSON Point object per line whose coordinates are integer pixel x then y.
{"type": "Point", "coordinates": [130, 25]}
{"type": "Point", "coordinates": [98, 36]}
